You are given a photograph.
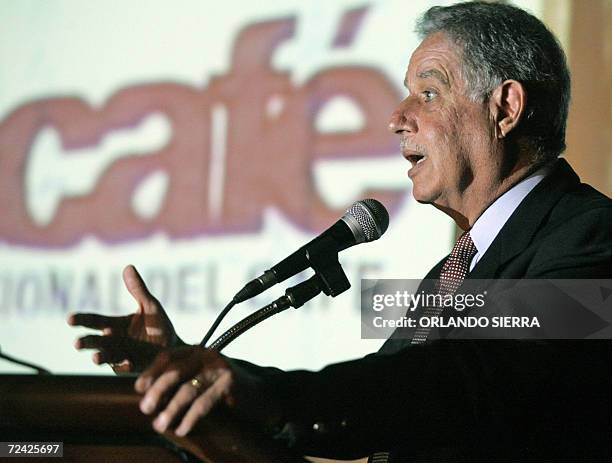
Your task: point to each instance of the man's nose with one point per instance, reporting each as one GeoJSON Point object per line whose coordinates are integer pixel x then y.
{"type": "Point", "coordinates": [403, 119]}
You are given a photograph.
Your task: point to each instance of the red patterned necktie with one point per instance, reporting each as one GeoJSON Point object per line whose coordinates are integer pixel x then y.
{"type": "Point", "coordinates": [452, 275]}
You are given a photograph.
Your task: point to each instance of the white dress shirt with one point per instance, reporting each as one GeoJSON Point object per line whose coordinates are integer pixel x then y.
{"type": "Point", "coordinates": [491, 221]}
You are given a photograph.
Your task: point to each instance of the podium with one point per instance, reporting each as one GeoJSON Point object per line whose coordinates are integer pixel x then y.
{"type": "Point", "coordinates": [98, 420]}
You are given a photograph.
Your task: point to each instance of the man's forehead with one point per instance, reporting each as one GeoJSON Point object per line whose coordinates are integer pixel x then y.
{"type": "Point", "coordinates": [430, 72]}
{"type": "Point", "coordinates": [435, 58]}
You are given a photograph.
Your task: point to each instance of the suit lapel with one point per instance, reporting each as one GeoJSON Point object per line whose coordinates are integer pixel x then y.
{"type": "Point", "coordinates": [521, 227]}
{"type": "Point", "coordinates": [514, 237]}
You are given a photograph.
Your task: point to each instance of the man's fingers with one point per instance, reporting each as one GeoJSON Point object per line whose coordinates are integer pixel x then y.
{"type": "Point", "coordinates": [123, 367]}
{"type": "Point", "coordinates": [115, 349]}
{"type": "Point", "coordinates": [118, 364]}
{"type": "Point", "coordinates": [158, 366]}
{"type": "Point", "coordinates": [148, 376]}
{"type": "Point", "coordinates": [110, 349]}
{"type": "Point", "coordinates": [169, 377]}
{"type": "Point", "coordinates": [117, 359]}
{"type": "Point", "coordinates": [204, 404]}
{"type": "Point", "coordinates": [164, 376]}
{"type": "Point", "coordinates": [176, 407]}
{"type": "Point", "coordinates": [110, 344]}
{"type": "Point", "coordinates": [98, 322]}
{"type": "Point", "coordinates": [137, 288]}
{"type": "Point", "coordinates": [94, 341]}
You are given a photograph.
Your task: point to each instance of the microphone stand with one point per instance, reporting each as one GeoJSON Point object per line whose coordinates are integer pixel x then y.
{"type": "Point", "coordinates": [329, 278]}
{"type": "Point", "coordinates": [294, 297]}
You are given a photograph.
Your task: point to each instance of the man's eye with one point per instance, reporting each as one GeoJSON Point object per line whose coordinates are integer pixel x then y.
{"type": "Point", "coordinates": [429, 95]}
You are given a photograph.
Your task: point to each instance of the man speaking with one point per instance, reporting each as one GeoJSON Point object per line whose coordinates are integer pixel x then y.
{"type": "Point", "coordinates": [482, 127]}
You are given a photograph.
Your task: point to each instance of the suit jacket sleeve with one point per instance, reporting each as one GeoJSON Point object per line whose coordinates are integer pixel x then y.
{"type": "Point", "coordinates": [450, 394]}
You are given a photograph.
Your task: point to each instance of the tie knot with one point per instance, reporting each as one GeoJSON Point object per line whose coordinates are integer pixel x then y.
{"type": "Point", "coordinates": [464, 248]}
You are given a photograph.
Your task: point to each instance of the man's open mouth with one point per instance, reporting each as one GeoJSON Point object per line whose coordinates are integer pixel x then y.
{"type": "Point", "coordinates": [416, 159]}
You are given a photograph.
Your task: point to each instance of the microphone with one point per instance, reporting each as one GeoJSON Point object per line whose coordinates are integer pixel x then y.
{"type": "Point", "coordinates": [364, 221]}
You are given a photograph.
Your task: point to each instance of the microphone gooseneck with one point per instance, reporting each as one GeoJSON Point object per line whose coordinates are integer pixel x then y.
{"type": "Point", "coordinates": [295, 297]}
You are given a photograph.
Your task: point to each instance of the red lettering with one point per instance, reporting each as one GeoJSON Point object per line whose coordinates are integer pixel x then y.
{"type": "Point", "coordinates": [245, 143]}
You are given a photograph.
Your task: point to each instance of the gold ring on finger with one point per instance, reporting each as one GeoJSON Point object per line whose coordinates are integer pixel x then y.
{"type": "Point", "coordinates": [196, 383]}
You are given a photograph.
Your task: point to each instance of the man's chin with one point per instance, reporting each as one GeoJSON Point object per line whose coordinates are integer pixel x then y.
{"type": "Point", "coordinates": [423, 197]}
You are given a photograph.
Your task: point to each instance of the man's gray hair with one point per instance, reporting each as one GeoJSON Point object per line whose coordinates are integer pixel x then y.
{"type": "Point", "coordinates": [501, 42]}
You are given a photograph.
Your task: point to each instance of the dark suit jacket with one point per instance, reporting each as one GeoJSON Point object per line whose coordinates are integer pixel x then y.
{"type": "Point", "coordinates": [462, 400]}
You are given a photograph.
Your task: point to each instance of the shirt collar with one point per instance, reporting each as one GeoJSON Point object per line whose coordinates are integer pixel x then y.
{"type": "Point", "coordinates": [491, 221]}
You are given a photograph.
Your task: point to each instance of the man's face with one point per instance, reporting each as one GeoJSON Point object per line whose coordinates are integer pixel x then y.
{"type": "Point", "coordinates": [445, 136]}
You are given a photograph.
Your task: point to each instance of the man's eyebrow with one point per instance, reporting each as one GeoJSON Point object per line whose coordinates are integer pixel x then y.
{"type": "Point", "coordinates": [432, 73]}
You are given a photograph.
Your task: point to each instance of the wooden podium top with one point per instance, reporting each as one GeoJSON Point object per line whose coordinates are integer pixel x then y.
{"type": "Point", "coordinates": [84, 410]}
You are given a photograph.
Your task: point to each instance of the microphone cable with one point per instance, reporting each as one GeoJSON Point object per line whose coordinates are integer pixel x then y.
{"type": "Point", "coordinates": [217, 322]}
{"type": "Point", "coordinates": [39, 370]}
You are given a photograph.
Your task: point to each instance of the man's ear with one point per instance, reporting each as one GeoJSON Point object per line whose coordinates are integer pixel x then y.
{"type": "Point", "coordinates": [508, 102]}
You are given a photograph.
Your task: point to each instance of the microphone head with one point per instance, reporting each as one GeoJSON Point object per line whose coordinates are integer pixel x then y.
{"type": "Point", "coordinates": [368, 220]}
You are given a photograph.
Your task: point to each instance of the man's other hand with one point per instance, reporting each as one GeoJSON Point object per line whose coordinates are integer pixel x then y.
{"type": "Point", "coordinates": [128, 343]}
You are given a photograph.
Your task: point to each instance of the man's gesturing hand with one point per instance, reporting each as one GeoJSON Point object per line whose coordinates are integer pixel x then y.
{"type": "Point", "coordinates": [129, 343]}
{"type": "Point", "coordinates": [184, 384]}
